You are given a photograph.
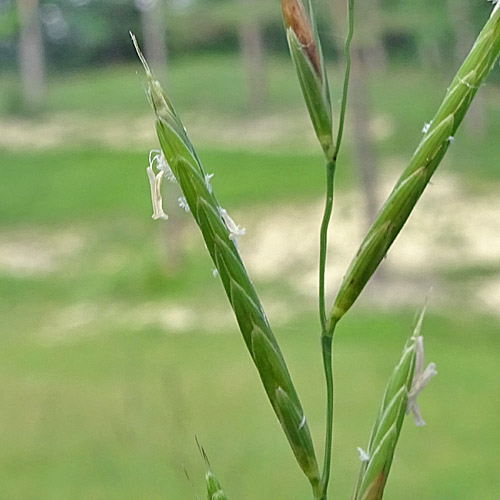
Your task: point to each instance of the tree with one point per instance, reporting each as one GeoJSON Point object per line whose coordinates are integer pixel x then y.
{"type": "Point", "coordinates": [366, 47]}
{"type": "Point", "coordinates": [153, 32]}
{"type": "Point", "coordinates": [252, 53]}
{"type": "Point", "coordinates": [463, 25]}
{"type": "Point", "coordinates": [31, 54]}
{"type": "Point", "coordinates": [364, 149]}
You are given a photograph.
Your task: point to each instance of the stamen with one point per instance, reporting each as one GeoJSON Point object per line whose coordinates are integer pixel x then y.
{"type": "Point", "coordinates": [183, 203]}
{"type": "Point", "coordinates": [234, 230]}
{"type": "Point", "coordinates": [420, 380]}
{"type": "Point", "coordinates": [426, 127]}
{"type": "Point", "coordinates": [363, 455]}
{"type": "Point", "coordinates": [155, 187]}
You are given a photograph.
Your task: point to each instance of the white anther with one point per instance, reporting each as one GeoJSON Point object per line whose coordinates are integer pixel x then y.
{"type": "Point", "coordinates": [363, 455]}
{"type": "Point", "coordinates": [183, 203]}
{"type": "Point", "coordinates": [155, 186]}
{"type": "Point", "coordinates": [234, 230]}
{"type": "Point", "coordinates": [421, 378]}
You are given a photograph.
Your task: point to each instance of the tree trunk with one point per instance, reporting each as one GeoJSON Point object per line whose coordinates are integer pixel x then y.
{"type": "Point", "coordinates": [370, 38]}
{"type": "Point", "coordinates": [359, 107]}
{"type": "Point", "coordinates": [252, 52]}
{"type": "Point", "coordinates": [374, 43]}
{"type": "Point", "coordinates": [31, 55]}
{"type": "Point", "coordinates": [475, 120]}
{"type": "Point", "coordinates": [364, 151]}
{"type": "Point", "coordinates": [153, 34]}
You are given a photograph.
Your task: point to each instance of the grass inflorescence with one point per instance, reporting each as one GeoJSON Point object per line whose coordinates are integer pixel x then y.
{"type": "Point", "coordinates": [178, 159]}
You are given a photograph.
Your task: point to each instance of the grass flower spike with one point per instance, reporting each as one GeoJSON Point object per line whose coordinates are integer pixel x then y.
{"type": "Point", "coordinates": [406, 381]}
{"type": "Point", "coordinates": [177, 161]}
{"type": "Point", "coordinates": [214, 488]}
{"type": "Point", "coordinates": [377, 459]}
{"type": "Point", "coordinates": [307, 57]}
{"type": "Point", "coordinates": [429, 153]}
{"type": "Point", "coordinates": [220, 232]}
{"type": "Point", "coordinates": [212, 484]}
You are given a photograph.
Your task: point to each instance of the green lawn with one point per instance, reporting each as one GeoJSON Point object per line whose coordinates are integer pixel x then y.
{"type": "Point", "coordinates": [102, 408]}
{"type": "Point", "coordinates": [59, 186]}
{"type": "Point", "coordinates": [115, 415]}
{"type": "Point", "coordinates": [102, 398]}
{"type": "Point", "coordinates": [210, 87]}
{"type": "Point", "coordinates": [210, 83]}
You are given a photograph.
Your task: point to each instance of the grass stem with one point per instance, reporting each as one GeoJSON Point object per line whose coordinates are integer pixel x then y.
{"type": "Point", "coordinates": [345, 89]}
{"type": "Point", "coordinates": [326, 348]}
{"type": "Point", "coordinates": [327, 215]}
{"type": "Point", "coordinates": [327, 330]}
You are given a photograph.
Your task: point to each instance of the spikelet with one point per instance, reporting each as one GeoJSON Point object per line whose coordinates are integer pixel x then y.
{"type": "Point", "coordinates": [429, 153]}
{"type": "Point", "coordinates": [385, 433]}
{"type": "Point", "coordinates": [307, 57]}
{"type": "Point", "coordinates": [219, 235]}
{"type": "Point", "coordinates": [377, 459]}
{"type": "Point", "coordinates": [212, 484]}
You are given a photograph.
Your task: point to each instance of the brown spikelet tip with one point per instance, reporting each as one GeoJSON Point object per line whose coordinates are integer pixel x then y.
{"type": "Point", "coordinates": [296, 19]}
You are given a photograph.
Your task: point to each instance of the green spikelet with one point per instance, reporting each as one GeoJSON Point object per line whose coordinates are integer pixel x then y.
{"type": "Point", "coordinates": [307, 57]}
{"type": "Point", "coordinates": [257, 334]}
{"type": "Point", "coordinates": [423, 164]}
{"type": "Point", "coordinates": [386, 429]}
{"type": "Point", "coordinates": [213, 486]}
{"type": "Point", "coordinates": [406, 381]}
{"type": "Point", "coordinates": [214, 489]}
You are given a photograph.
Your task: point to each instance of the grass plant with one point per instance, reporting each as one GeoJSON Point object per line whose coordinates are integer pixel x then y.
{"type": "Point", "coordinates": [178, 161]}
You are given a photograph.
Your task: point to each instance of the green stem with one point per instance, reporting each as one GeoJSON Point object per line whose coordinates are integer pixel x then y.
{"type": "Point", "coordinates": [327, 329]}
{"type": "Point", "coordinates": [326, 347]}
{"type": "Point", "coordinates": [330, 174]}
{"type": "Point", "coordinates": [347, 55]}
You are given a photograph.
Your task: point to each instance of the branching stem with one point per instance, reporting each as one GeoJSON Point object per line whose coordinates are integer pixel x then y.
{"type": "Point", "coordinates": [327, 329]}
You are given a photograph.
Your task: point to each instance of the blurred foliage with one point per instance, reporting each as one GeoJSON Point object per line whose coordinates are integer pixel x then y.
{"type": "Point", "coordinates": [8, 20]}
{"type": "Point", "coordinates": [89, 32]}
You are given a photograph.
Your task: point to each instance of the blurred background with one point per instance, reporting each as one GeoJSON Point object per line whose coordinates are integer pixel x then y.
{"type": "Point", "coordinates": [117, 344]}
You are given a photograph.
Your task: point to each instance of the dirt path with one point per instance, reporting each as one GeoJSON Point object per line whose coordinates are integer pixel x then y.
{"type": "Point", "coordinates": [451, 243]}
{"type": "Point", "coordinates": [70, 130]}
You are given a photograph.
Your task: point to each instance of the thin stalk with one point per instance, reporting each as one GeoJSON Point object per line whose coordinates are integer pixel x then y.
{"type": "Point", "coordinates": [347, 56]}
{"type": "Point", "coordinates": [327, 215]}
{"type": "Point", "coordinates": [330, 174]}
{"type": "Point", "coordinates": [327, 330]}
{"type": "Point", "coordinates": [330, 170]}
{"type": "Point", "coordinates": [326, 348]}
{"type": "Point", "coordinates": [326, 336]}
